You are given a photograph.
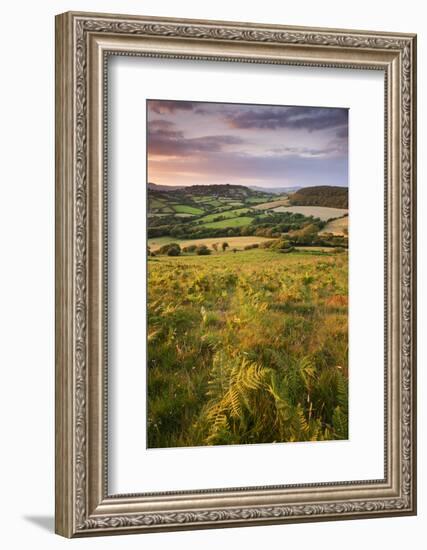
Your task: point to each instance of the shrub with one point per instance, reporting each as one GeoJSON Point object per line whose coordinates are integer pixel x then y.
{"type": "Point", "coordinates": [281, 244]}
{"type": "Point", "coordinates": [267, 244]}
{"type": "Point", "coordinates": [172, 249]}
{"type": "Point", "coordinates": [203, 250]}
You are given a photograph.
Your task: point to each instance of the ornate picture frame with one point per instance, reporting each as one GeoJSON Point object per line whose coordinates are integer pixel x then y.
{"type": "Point", "coordinates": [84, 42]}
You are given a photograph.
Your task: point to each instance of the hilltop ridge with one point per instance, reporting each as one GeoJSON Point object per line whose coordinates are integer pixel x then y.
{"type": "Point", "coordinates": [218, 189]}
{"type": "Point", "coordinates": [320, 195]}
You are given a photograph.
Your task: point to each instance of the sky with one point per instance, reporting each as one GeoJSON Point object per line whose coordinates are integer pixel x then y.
{"type": "Point", "coordinates": [199, 143]}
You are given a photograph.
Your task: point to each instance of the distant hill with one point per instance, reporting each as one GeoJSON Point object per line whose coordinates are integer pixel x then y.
{"type": "Point", "coordinates": [275, 190]}
{"type": "Point", "coordinates": [220, 190]}
{"type": "Point", "coordinates": [163, 188]}
{"type": "Point", "coordinates": [322, 195]}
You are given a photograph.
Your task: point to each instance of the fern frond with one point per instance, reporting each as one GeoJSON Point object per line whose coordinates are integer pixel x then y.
{"type": "Point", "coordinates": [301, 420]}
{"type": "Point", "coordinates": [307, 370]}
{"type": "Point", "coordinates": [234, 402]}
{"type": "Point", "coordinates": [340, 423]}
{"type": "Point", "coordinates": [342, 391]}
{"type": "Point", "coordinates": [253, 376]}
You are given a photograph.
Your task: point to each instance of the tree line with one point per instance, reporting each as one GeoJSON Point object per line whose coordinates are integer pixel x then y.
{"type": "Point", "coordinates": [273, 226]}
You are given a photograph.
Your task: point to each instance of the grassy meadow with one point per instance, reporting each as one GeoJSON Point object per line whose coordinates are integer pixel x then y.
{"type": "Point", "coordinates": [247, 346]}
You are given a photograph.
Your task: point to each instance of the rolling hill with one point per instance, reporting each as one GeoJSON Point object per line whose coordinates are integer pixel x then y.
{"type": "Point", "coordinates": [322, 195]}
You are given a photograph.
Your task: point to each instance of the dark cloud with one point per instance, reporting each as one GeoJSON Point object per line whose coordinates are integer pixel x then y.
{"type": "Point", "coordinates": [262, 116]}
{"type": "Point", "coordinates": [342, 132]}
{"type": "Point", "coordinates": [165, 127]}
{"type": "Point", "coordinates": [169, 107]}
{"type": "Point", "coordinates": [165, 139]}
{"type": "Point", "coordinates": [305, 118]}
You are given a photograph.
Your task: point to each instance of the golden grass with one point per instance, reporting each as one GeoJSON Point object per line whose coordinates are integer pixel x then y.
{"type": "Point", "coordinates": [336, 227]}
{"type": "Point", "coordinates": [249, 347]}
{"type": "Point", "coordinates": [273, 204]}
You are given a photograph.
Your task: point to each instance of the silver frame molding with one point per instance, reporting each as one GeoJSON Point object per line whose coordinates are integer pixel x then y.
{"type": "Point", "coordinates": [83, 43]}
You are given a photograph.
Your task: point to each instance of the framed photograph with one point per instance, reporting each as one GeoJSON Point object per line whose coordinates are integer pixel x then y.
{"type": "Point", "coordinates": [235, 274]}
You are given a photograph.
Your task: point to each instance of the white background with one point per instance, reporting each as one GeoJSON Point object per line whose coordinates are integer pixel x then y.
{"type": "Point", "coordinates": [27, 275]}
{"type": "Point", "coordinates": [133, 468]}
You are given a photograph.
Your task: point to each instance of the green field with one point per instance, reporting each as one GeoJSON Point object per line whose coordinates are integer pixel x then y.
{"type": "Point", "coordinates": [247, 347]}
{"type": "Point", "coordinates": [232, 222]}
{"type": "Point", "coordinates": [227, 214]}
{"type": "Point", "coordinates": [255, 200]}
{"type": "Point", "coordinates": [202, 199]}
{"type": "Point", "coordinates": [185, 209]}
{"type": "Point", "coordinates": [156, 203]}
